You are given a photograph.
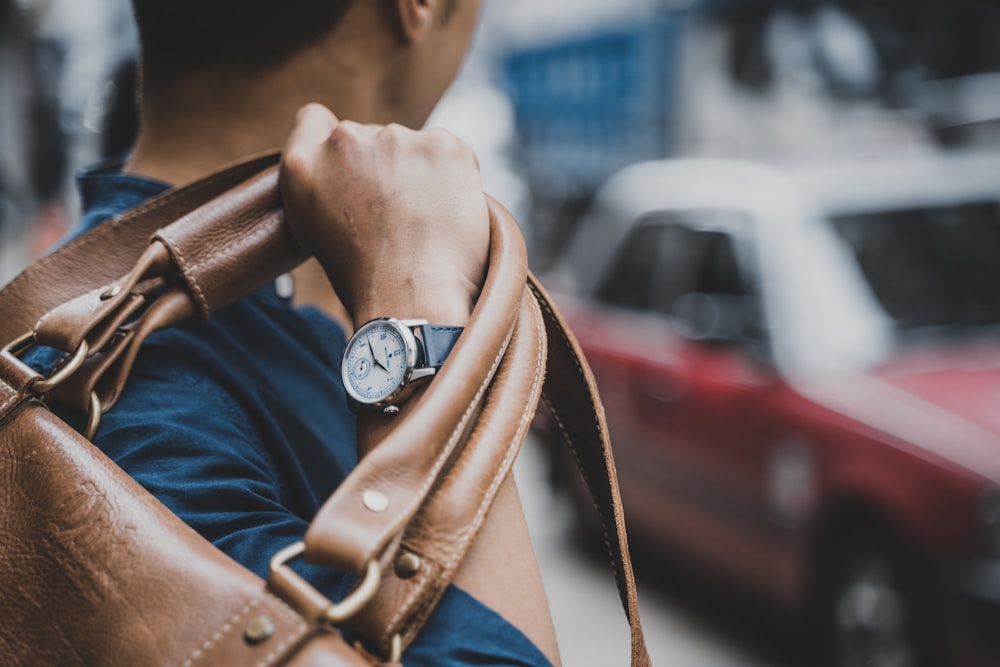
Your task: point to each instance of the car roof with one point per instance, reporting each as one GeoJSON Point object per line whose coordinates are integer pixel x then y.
{"type": "Point", "coordinates": [833, 186]}
{"type": "Point", "coordinates": [776, 195]}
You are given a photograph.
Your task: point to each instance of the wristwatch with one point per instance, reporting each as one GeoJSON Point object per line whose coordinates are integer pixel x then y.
{"type": "Point", "coordinates": [386, 355]}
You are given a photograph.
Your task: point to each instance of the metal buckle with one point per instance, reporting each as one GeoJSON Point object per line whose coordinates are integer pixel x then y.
{"type": "Point", "coordinates": [355, 601]}
{"type": "Point", "coordinates": [93, 416]}
{"type": "Point", "coordinates": [73, 365]}
{"type": "Point", "coordinates": [24, 342]}
{"type": "Point", "coordinates": [18, 346]}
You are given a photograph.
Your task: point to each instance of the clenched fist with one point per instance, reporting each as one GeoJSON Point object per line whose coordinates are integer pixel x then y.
{"type": "Point", "coordinates": [396, 217]}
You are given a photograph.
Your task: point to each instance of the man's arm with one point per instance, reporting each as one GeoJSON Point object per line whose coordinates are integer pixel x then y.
{"type": "Point", "coordinates": [398, 220]}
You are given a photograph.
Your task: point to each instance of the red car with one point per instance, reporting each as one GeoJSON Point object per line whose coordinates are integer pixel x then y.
{"type": "Point", "coordinates": [801, 371]}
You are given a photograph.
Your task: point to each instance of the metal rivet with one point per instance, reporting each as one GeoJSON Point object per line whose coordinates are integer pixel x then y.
{"type": "Point", "coordinates": [284, 285]}
{"type": "Point", "coordinates": [407, 565]}
{"type": "Point", "coordinates": [390, 410]}
{"type": "Point", "coordinates": [260, 630]}
{"type": "Point", "coordinates": [111, 292]}
{"type": "Point", "coordinates": [376, 501]}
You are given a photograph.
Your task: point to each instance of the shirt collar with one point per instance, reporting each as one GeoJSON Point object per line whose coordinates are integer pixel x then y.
{"type": "Point", "coordinates": [106, 191]}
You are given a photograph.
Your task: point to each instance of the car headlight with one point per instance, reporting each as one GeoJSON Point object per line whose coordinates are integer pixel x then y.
{"type": "Point", "coordinates": [989, 514]}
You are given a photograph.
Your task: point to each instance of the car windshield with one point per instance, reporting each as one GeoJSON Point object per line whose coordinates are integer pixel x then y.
{"type": "Point", "coordinates": [932, 269]}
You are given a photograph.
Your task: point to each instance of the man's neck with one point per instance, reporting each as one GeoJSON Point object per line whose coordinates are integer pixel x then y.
{"type": "Point", "coordinates": [192, 128]}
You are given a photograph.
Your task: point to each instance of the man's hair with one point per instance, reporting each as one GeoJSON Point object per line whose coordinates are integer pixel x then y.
{"type": "Point", "coordinates": [182, 36]}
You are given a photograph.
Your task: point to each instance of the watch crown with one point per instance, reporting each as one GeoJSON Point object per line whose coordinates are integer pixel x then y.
{"type": "Point", "coordinates": [390, 410]}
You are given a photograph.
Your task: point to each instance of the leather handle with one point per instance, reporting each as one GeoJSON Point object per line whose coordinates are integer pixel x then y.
{"type": "Point", "coordinates": [440, 535]}
{"type": "Point", "coordinates": [195, 224]}
{"type": "Point", "coordinates": [346, 534]}
{"type": "Point", "coordinates": [101, 257]}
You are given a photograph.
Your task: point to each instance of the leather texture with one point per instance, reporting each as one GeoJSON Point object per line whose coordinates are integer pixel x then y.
{"type": "Point", "coordinates": [100, 258]}
{"type": "Point", "coordinates": [97, 572]}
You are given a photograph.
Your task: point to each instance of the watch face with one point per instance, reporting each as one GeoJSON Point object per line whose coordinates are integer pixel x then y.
{"type": "Point", "coordinates": [377, 362]}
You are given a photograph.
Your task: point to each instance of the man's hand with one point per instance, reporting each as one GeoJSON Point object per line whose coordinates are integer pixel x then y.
{"type": "Point", "coordinates": [396, 217]}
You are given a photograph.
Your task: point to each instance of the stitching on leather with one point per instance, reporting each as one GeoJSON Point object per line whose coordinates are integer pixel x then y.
{"type": "Point", "coordinates": [90, 239]}
{"type": "Point", "coordinates": [465, 537]}
{"type": "Point", "coordinates": [43, 318]}
{"type": "Point", "coordinates": [240, 173]}
{"type": "Point", "coordinates": [226, 628]}
{"type": "Point", "coordinates": [444, 455]}
{"type": "Point", "coordinates": [259, 232]}
{"type": "Point", "coordinates": [519, 434]}
{"type": "Point", "coordinates": [14, 396]}
{"type": "Point", "coordinates": [569, 441]}
{"type": "Point", "coordinates": [291, 639]}
{"type": "Point", "coordinates": [182, 265]}
{"type": "Point", "coordinates": [417, 588]}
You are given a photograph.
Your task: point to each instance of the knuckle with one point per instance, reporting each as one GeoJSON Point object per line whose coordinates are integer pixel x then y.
{"type": "Point", "coordinates": [346, 138]}
{"type": "Point", "coordinates": [451, 143]}
{"type": "Point", "coordinates": [394, 131]}
{"type": "Point", "coordinates": [347, 131]}
{"type": "Point", "coordinates": [394, 135]}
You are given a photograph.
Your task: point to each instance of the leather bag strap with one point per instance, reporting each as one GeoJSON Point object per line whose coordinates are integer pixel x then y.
{"type": "Point", "coordinates": [222, 247]}
{"type": "Point", "coordinates": [97, 259]}
{"type": "Point", "coordinates": [571, 395]}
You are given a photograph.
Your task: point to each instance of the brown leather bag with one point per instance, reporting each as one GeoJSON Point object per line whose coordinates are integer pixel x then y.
{"type": "Point", "coordinates": [95, 571]}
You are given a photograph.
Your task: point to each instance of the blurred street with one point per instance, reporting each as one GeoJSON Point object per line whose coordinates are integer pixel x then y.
{"type": "Point", "coordinates": [681, 627]}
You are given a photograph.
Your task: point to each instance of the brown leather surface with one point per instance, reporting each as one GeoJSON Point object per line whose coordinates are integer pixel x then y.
{"type": "Point", "coordinates": [323, 650]}
{"type": "Point", "coordinates": [446, 526]}
{"type": "Point", "coordinates": [404, 467]}
{"type": "Point", "coordinates": [65, 326]}
{"type": "Point", "coordinates": [223, 262]}
{"type": "Point", "coordinates": [15, 378]}
{"type": "Point", "coordinates": [107, 370]}
{"type": "Point", "coordinates": [97, 572]}
{"type": "Point", "coordinates": [108, 252]}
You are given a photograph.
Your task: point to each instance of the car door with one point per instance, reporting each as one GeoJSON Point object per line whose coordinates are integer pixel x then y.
{"type": "Point", "coordinates": [682, 365]}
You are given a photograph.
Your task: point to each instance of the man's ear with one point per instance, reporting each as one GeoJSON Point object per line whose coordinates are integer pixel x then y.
{"type": "Point", "coordinates": [417, 17]}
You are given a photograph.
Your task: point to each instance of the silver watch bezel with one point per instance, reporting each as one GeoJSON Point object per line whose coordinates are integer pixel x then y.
{"type": "Point", "coordinates": [411, 371]}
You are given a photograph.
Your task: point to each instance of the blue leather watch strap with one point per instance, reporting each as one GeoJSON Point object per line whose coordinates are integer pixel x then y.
{"type": "Point", "coordinates": [438, 341]}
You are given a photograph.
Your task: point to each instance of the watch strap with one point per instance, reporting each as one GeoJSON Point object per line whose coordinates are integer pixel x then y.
{"type": "Point", "coordinates": [438, 341]}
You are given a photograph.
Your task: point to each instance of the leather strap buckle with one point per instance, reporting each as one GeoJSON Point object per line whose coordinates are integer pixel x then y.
{"type": "Point", "coordinates": [354, 602]}
{"type": "Point", "coordinates": [23, 343]}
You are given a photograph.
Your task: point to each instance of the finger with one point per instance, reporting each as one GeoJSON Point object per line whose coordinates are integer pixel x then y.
{"type": "Point", "coordinates": [313, 126]}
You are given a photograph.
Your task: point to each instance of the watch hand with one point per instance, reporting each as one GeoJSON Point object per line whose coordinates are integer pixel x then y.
{"type": "Point", "coordinates": [374, 358]}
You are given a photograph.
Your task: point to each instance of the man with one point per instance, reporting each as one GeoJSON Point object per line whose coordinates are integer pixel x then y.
{"type": "Point", "coordinates": [239, 424]}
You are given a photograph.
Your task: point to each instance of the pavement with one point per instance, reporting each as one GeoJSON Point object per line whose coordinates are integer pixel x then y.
{"type": "Point", "coordinates": [589, 621]}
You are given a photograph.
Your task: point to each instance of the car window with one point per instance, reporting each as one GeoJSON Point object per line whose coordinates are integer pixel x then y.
{"type": "Point", "coordinates": [930, 267]}
{"type": "Point", "coordinates": [670, 255]}
{"type": "Point", "coordinates": [628, 282]}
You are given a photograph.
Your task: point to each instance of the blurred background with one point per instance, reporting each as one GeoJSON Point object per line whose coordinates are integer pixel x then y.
{"type": "Point", "coordinates": [775, 227]}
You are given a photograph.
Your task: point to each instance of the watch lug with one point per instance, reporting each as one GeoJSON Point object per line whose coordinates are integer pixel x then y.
{"type": "Point", "coordinates": [420, 373]}
{"type": "Point", "coordinates": [415, 323]}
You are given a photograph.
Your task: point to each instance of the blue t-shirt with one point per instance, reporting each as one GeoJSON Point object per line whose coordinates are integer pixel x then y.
{"type": "Point", "coordinates": [239, 424]}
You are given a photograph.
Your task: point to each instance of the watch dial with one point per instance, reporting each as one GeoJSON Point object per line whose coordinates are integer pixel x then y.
{"type": "Point", "coordinates": [376, 362]}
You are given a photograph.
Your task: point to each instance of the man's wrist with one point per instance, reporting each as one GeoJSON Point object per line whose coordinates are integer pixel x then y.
{"type": "Point", "coordinates": [450, 308]}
